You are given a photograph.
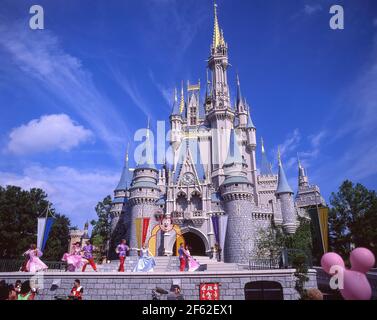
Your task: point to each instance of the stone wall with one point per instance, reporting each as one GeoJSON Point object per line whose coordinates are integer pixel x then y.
{"type": "Point", "coordinates": [132, 286]}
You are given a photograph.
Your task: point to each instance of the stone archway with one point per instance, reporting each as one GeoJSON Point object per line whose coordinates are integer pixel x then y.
{"type": "Point", "coordinates": [196, 239]}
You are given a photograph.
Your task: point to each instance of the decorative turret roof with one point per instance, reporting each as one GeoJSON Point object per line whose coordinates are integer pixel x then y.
{"type": "Point", "coordinates": [283, 186]}
{"type": "Point", "coordinates": [234, 153]}
{"type": "Point", "coordinates": [125, 178]}
{"type": "Point", "coordinates": [265, 165]}
{"type": "Point", "coordinates": [175, 109]}
{"type": "Point", "coordinates": [250, 123]}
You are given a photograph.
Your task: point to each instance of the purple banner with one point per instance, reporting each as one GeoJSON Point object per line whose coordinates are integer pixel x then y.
{"type": "Point", "coordinates": [215, 222]}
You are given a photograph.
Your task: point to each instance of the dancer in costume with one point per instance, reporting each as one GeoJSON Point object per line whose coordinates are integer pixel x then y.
{"type": "Point", "coordinates": [74, 259]}
{"type": "Point", "coordinates": [34, 264]}
{"type": "Point", "coordinates": [121, 250]}
{"type": "Point", "coordinates": [182, 258]}
{"type": "Point", "coordinates": [88, 255]}
{"type": "Point", "coordinates": [193, 265]}
{"type": "Point", "coordinates": [146, 261]}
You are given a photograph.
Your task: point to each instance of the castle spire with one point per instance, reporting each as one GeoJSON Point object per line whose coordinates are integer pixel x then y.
{"type": "Point", "coordinates": [302, 177]}
{"type": "Point", "coordinates": [182, 101]}
{"type": "Point", "coordinates": [265, 165]}
{"type": "Point", "coordinates": [175, 109]}
{"type": "Point", "coordinates": [125, 178]}
{"type": "Point", "coordinates": [283, 186]}
{"type": "Point", "coordinates": [239, 96]}
{"type": "Point", "coordinates": [216, 30]}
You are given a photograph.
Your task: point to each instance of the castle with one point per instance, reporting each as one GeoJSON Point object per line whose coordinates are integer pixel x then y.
{"type": "Point", "coordinates": [213, 192]}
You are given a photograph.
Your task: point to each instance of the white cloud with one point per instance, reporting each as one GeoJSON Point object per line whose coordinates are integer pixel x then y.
{"type": "Point", "coordinates": [311, 9]}
{"type": "Point", "coordinates": [291, 142]}
{"type": "Point", "coordinates": [40, 57]}
{"type": "Point", "coordinates": [73, 193]}
{"type": "Point", "coordinates": [49, 132]}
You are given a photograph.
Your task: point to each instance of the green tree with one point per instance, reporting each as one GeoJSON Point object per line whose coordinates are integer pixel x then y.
{"type": "Point", "coordinates": [19, 210]}
{"type": "Point", "coordinates": [353, 219]}
{"type": "Point", "coordinates": [102, 226]}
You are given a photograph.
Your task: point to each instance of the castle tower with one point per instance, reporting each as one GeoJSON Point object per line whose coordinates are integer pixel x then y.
{"type": "Point", "coordinates": [236, 191]}
{"type": "Point", "coordinates": [119, 204]}
{"type": "Point", "coordinates": [143, 194]}
{"type": "Point", "coordinates": [176, 119]}
{"type": "Point", "coordinates": [284, 194]}
{"type": "Point", "coordinates": [219, 113]}
{"type": "Point", "coordinates": [307, 195]}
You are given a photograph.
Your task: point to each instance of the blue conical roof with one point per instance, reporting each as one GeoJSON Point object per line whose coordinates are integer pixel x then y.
{"type": "Point", "coordinates": [283, 186]}
{"type": "Point", "coordinates": [234, 153]}
{"type": "Point", "coordinates": [125, 179]}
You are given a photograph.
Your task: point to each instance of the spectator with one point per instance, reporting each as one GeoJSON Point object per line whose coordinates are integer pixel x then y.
{"type": "Point", "coordinates": [175, 293]}
{"type": "Point", "coordinates": [26, 292]}
{"type": "Point", "coordinates": [77, 291]}
{"type": "Point", "coordinates": [4, 291]}
{"type": "Point", "coordinates": [17, 286]}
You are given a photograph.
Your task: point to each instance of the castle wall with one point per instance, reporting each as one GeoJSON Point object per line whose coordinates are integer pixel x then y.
{"type": "Point", "coordinates": [131, 286]}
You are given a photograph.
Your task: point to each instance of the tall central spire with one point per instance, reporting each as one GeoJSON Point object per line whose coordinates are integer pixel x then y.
{"type": "Point", "coordinates": [218, 35]}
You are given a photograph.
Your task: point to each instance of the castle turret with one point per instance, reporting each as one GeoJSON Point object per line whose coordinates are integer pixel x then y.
{"type": "Point", "coordinates": [176, 119]}
{"type": "Point", "coordinates": [284, 194]}
{"type": "Point", "coordinates": [144, 194]}
{"type": "Point", "coordinates": [307, 195]}
{"type": "Point", "coordinates": [241, 109]}
{"type": "Point", "coordinates": [236, 191]}
{"type": "Point", "coordinates": [119, 204]}
{"type": "Point", "coordinates": [220, 115]}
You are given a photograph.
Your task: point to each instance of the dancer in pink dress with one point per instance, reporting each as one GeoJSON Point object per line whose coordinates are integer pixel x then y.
{"type": "Point", "coordinates": [193, 265]}
{"type": "Point", "coordinates": [74, 259]}
{"type": "Point", "coordinates": [34, 264]}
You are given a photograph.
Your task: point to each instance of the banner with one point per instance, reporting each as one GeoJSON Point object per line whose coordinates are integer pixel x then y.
{"type": "Point", "coordinates": [215, 223]}
{"type": "Point", "coordinates": [145, 229]}
{"type": "Point", "coordinates": [138, 227]}
{"type": "Point", "coordinates": [223, 222]}
{"type": "Point", "coordinates": [43, 231]}
{"type": "Point", "coordinates": [323, 223]}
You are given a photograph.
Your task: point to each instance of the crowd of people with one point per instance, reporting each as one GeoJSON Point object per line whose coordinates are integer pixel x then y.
{"type": "Point", "coordinates": [17, 291]}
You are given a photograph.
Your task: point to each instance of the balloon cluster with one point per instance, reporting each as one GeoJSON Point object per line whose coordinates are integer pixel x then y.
{"type": "Point", "coordinates": [355, 283]}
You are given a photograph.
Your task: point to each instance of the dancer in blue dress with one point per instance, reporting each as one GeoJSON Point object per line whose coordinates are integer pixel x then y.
{"type": "Point", "coordinates": [146, 263]}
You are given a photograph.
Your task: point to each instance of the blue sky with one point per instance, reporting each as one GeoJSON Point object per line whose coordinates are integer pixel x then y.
{"type": "Point", "coordinates": [72, 95]}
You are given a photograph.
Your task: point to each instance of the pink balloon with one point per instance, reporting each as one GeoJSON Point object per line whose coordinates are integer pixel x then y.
{"type": "Point", "coordinates": [356, 286]}
{"type": "Point", "coordinates": [331, 259]}
{"type": "Point", "coordinates": [362, 260]}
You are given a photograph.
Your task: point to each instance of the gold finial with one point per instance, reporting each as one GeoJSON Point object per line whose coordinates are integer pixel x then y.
{"type": "Point", "coordinates": [182, 103]}
{"type": "Point", "coordinates": [262, 143]}
{"type": "Point", "coordinates": [216, 31]}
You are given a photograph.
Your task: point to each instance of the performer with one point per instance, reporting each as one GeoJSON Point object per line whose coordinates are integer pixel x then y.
{"type": "Point", "coordinates": [121, 250]}
{"type": "Point", "coordinates": [34, 264]}
{"type": "Point", "coordinates": [193, 265]}
{"type": "Point", "coordinates": [88, 255]}
{"type": "Point", "coordinates": [77, 291]}
{"type": "Point", "coordinates": [182, 258]}
{"type": "Point", "coordinates": [74, 259]}
{"type": "Point", "coordinates": [146, 263]}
